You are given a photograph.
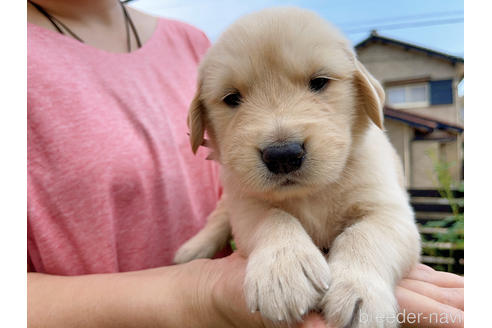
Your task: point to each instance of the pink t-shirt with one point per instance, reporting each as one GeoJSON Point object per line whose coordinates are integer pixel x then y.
{"type": "Point", "coordinates": [112, 182]}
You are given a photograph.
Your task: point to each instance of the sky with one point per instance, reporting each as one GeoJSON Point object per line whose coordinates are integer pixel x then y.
{"type": "Point", "coordinates": [435, 24]}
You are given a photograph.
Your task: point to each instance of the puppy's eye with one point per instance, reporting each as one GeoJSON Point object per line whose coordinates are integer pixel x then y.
{"type": "Point", "coordinates": [233, 99]}
{"type": "Point", "coordinates": [318, 83]}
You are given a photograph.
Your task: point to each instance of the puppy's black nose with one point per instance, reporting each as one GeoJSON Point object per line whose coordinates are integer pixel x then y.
{"type": "Point", "coordinates": [285, 158]}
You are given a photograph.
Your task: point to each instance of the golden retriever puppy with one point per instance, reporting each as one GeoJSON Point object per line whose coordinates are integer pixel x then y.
{"type": "Point", "coordinates": [313, 190]}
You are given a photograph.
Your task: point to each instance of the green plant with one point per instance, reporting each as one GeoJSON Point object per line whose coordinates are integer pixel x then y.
{"type": "Point", "coordinates": [232, 243]}
{"type": "Point", "coordinates": [453, 224]}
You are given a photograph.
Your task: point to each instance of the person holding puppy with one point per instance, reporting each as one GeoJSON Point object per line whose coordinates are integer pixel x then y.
{"type": "Point", "coordinates": [113, 189]}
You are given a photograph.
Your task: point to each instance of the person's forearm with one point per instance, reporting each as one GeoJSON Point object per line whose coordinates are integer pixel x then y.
{"type": "Point", "coordinates": [155, 297]}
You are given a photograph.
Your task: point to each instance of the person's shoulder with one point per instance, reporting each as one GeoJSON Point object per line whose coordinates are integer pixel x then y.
{"type": "Point", "coordinates": [196, 37]}
{"type": "Point", "coordinates": [191, 31]}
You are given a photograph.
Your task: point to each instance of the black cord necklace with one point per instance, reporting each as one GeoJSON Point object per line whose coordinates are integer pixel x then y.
{"type": "Point", "coordinates": [60, 26]}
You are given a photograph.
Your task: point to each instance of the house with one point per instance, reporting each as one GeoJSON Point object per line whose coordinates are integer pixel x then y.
{"type": "Point", "coordinates": [423, 111]}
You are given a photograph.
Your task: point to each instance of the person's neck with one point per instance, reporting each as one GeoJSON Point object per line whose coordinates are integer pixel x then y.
{"type": "Point", "coordinates": [102, 11]}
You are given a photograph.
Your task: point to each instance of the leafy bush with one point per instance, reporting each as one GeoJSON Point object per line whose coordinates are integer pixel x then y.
{"type": "Point", "coordinates": [454, 223]}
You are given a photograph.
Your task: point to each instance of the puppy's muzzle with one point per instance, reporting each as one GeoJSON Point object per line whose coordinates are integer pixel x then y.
{"type": "Point", "coordinates": [283, 158]}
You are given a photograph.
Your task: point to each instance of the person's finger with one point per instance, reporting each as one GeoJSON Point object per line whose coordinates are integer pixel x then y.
{"type": "Point", "coordinates": [236, 256]}
{"type": "Point", "coordinates": [443, 279]}
{"type": "Point", "coordinates": [417, 310]}
{"type": "Point", "coordinates": [450, 296]}
{"type": "Point", "coordinates": [314, 320]}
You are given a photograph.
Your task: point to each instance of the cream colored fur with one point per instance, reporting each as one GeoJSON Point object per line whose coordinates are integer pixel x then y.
{"type": "Point", "coordinates": [347, 196]}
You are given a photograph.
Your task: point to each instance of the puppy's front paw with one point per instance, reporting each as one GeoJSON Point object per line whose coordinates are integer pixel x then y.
{"type": "Point", "coordinates": [284, 283]}
{"type": "Point", "coordinates": [358, 300]}
{"type": "Point", "coordinates": [197, 247]}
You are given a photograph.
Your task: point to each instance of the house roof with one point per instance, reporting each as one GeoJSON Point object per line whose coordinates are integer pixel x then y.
{"type": "Point", "coordinates": [374, 37]}
{"type": "Point", "coordinates": [422, 122]}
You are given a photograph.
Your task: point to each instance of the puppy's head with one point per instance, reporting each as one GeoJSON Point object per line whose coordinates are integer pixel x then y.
{"type": "Point", "coordinates": [283, 100]}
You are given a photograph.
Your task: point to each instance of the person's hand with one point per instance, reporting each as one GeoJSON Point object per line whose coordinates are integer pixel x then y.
{"type": "Point", "coordinates": [224, 280]}
{"type": "Point", "coordinates": [437, 298]}
{"type": "Point", "coordinates": [427, 298]}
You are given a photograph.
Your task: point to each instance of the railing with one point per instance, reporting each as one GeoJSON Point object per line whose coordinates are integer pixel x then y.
{"type": "Point", "coordinates": [442, 244]}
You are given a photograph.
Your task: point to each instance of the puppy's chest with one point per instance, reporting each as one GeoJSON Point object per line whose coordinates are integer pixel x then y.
{"type": "Point", "coordinates": [323, 219]}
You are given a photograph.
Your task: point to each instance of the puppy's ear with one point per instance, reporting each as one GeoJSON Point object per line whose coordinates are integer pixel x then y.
{"type": "Point", "coordinates": [196, 122]}
{"type": "Point", "coordinates": [370, 94]}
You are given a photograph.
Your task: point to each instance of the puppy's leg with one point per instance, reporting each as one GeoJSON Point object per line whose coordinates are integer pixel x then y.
{"type": "Point", "coordinates": [211, 239]}
{"type": "Point", "coordinates": [286, 273]}
{"type": "Point", "coordinates": [366, 262]}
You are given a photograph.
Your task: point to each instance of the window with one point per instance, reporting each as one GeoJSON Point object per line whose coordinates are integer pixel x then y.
{"type": "Point", "coordinates": [412, 95]}
{"type": "Point", "coordinates": [441, 92]}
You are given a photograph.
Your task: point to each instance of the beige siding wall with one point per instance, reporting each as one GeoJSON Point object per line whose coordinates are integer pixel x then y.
{"type": "Point", "coordinates": [400, 135]}
{"type": "Point", "coordinates": [446, 113]}
{"type": "Point", "coordinates": [451, 153]}
{"type": "Point", "coordinates": [418, 166]}
{"type": "Point", "coordinates": [390, 63]}
{"type": "Point", "coordinates": [423, 175]}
